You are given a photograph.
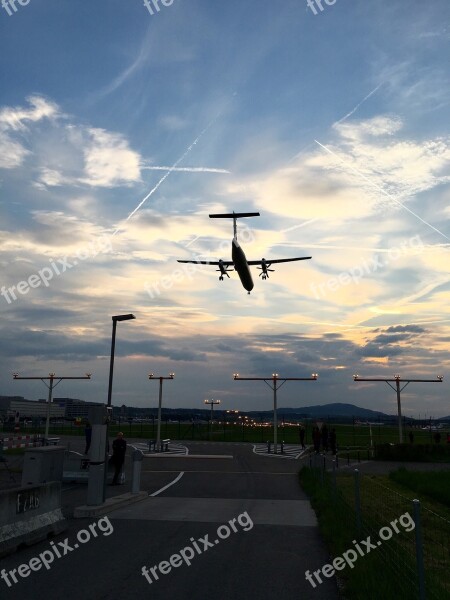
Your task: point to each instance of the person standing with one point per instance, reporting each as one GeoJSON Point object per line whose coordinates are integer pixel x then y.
{"type": "Point", "coordinates": [302, 436]}
{"type": "Point", "coordinates": [411, 437]}
{"type": "Point", "coordinates": [118, 456]}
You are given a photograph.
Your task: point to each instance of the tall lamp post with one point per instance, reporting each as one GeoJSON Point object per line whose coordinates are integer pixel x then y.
{"type": "Point", "coordinates": [51, 385]}
{"type": "Point", "coordinates": [274, 385]}
{"type": "Point", "coordinates": [398, 389]}
{"type": "Point", "coordinates": [212, 403]}
{"type": "Point", "coordinates": [115, 320]}
{"type": "Point", "coordinates": [158, 430]}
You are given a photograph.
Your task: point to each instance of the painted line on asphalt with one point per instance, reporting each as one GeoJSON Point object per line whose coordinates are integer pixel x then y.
{"type": "Point", "coordinates": [225, 472]}
{"type": "Point", "coordinates": [168, 485]}
{"type": "Point", "coordinates": [183, 456]}
{"type": "Point", "coordinates": [69, 488]}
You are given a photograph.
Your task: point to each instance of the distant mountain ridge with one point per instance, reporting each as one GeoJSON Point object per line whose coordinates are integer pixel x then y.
{"type": "Point", "coordinates": [336, 409]}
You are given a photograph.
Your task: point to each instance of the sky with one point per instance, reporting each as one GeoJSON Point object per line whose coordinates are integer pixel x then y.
{"type": "Point", "coordinates": [121, 130]}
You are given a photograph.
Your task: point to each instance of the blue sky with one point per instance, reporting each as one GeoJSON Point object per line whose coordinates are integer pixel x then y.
{"type": "Point", "coordinates": [334, 126]}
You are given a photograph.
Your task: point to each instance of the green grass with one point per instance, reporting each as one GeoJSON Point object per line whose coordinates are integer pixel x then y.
{"type": "Point", "coordinates": [347, 435]}
{"type": "Point", "coordinates": [434, 484]}
{"type": "Point", "coordinates": [384, 499]}
{"type": "Point", "coordinates": [338, 526]}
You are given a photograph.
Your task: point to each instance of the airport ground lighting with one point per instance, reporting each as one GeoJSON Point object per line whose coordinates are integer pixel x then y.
{"type": "Point", "coordinates": [161, 379]}
{"type": "Point", "coordinates": [275, 385]}
{"type": "Point", "coordinates": [212, 403]}
{"type": "Point", "coordinates": [398, 381]}
{"type": "Point", "coordinates": [51, 385]}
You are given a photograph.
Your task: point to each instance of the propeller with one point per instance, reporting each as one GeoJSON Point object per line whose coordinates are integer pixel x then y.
{"type": "Point", "coordinates": [265, 269]}
{"type": "Point", "coordinates": [223, 270]}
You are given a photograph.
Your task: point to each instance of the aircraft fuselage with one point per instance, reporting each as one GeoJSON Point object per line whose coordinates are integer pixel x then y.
{"type": "Point", "coordinates": [241, 265]}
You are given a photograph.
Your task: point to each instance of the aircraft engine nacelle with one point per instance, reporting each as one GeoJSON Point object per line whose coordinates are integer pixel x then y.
{"type": "Point", "coordinates": [265, 269]}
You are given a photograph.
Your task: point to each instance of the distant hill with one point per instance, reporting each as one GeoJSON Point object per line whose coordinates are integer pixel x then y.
{"type": "Point", "coordinates": [337, 409]}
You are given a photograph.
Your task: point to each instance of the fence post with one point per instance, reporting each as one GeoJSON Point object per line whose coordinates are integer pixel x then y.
{"type": "Point", "coordinates": [357, 501]}
{"type": "Point", "coordinates": [334, 483]}
{"type": "Point", "coordinates": [137, 458]}
{"type": "Point", "coordinates": [419, 549]}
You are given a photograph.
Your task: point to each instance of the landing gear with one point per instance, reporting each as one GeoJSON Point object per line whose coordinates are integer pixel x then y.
{"type": "Point", "coordinates": [221, 278]}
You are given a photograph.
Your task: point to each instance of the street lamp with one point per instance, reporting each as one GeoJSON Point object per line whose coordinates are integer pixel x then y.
{"type": "Point", "coordinates": [161, 379]}
{"type": "Point", "coordinates": [115, 319]}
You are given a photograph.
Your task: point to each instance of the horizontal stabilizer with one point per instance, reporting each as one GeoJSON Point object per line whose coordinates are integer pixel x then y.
{"type": "Point", "coordinates": [234, 215]}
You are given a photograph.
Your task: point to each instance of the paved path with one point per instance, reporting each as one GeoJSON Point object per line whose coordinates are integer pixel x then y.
{"type": "Point", "coordinates": [249, 527]}
{"type": "Point", "coordinates": [290, 451]}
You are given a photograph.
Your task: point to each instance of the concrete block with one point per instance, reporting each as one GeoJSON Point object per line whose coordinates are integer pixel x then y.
{"type": "Point", "coordinates": [28, 514]}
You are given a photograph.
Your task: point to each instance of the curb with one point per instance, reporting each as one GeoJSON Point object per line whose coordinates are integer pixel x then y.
{"type": "Point", "coordinates": [109, 505]}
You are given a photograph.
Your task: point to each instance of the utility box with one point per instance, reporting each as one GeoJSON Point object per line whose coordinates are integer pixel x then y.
{"type": "Point", "coordinates": [42, 465]}
{"type": "Point", "coordinates": [99, 417]}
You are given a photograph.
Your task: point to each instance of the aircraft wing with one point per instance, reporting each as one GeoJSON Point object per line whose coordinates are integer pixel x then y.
{"type": "Point", "coordinates": [225, 263]}
{"type": "Point", "coordinates": [277, 260]}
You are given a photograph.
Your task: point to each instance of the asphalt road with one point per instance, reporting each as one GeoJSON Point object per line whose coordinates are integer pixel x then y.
{"type": "Point", "coordinates": [243, 524]}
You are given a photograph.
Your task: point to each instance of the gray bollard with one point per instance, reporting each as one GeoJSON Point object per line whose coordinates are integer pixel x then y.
{"type": "Point", "coordinates": [137, 457]}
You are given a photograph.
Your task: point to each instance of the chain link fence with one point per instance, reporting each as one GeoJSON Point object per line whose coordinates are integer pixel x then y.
{"type": "Point", "coordinates": [410, 553]}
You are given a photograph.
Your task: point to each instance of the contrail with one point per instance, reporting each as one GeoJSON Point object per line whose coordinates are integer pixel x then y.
{"type": "Point", "coordinates": [383, 191]}
{"type": "Point", "coordinates": [301, 225]}
{"type": "Point", "coordinates": [357, 106]}
{"type": "Point", "coordinates": [186, 169]}
{"type": "Point", "coordinates": [169, 171]}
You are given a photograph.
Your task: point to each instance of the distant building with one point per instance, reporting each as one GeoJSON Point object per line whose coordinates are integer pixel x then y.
{"type": "Point", "coordinates": [74, 408]}
{"type": "Point", "coordinates": [31, 408]}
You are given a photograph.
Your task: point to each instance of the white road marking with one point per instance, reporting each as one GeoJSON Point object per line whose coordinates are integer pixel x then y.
{"type": "Point", "coordinates": [168, 485]}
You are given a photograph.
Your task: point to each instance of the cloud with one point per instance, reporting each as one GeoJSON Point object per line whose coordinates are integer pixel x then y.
{"type": "Point", "coordinates": [109, 161]}
{"type": "Point", "coordinates": [14, 120]}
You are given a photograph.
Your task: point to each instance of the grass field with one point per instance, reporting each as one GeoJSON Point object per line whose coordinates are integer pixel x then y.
{"type": "Point", "coordinates": [347, 435]}
{"type": "Point", "coordinates": [383, 500]}
{"type": "Point", "coordinates": [435, 485]}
